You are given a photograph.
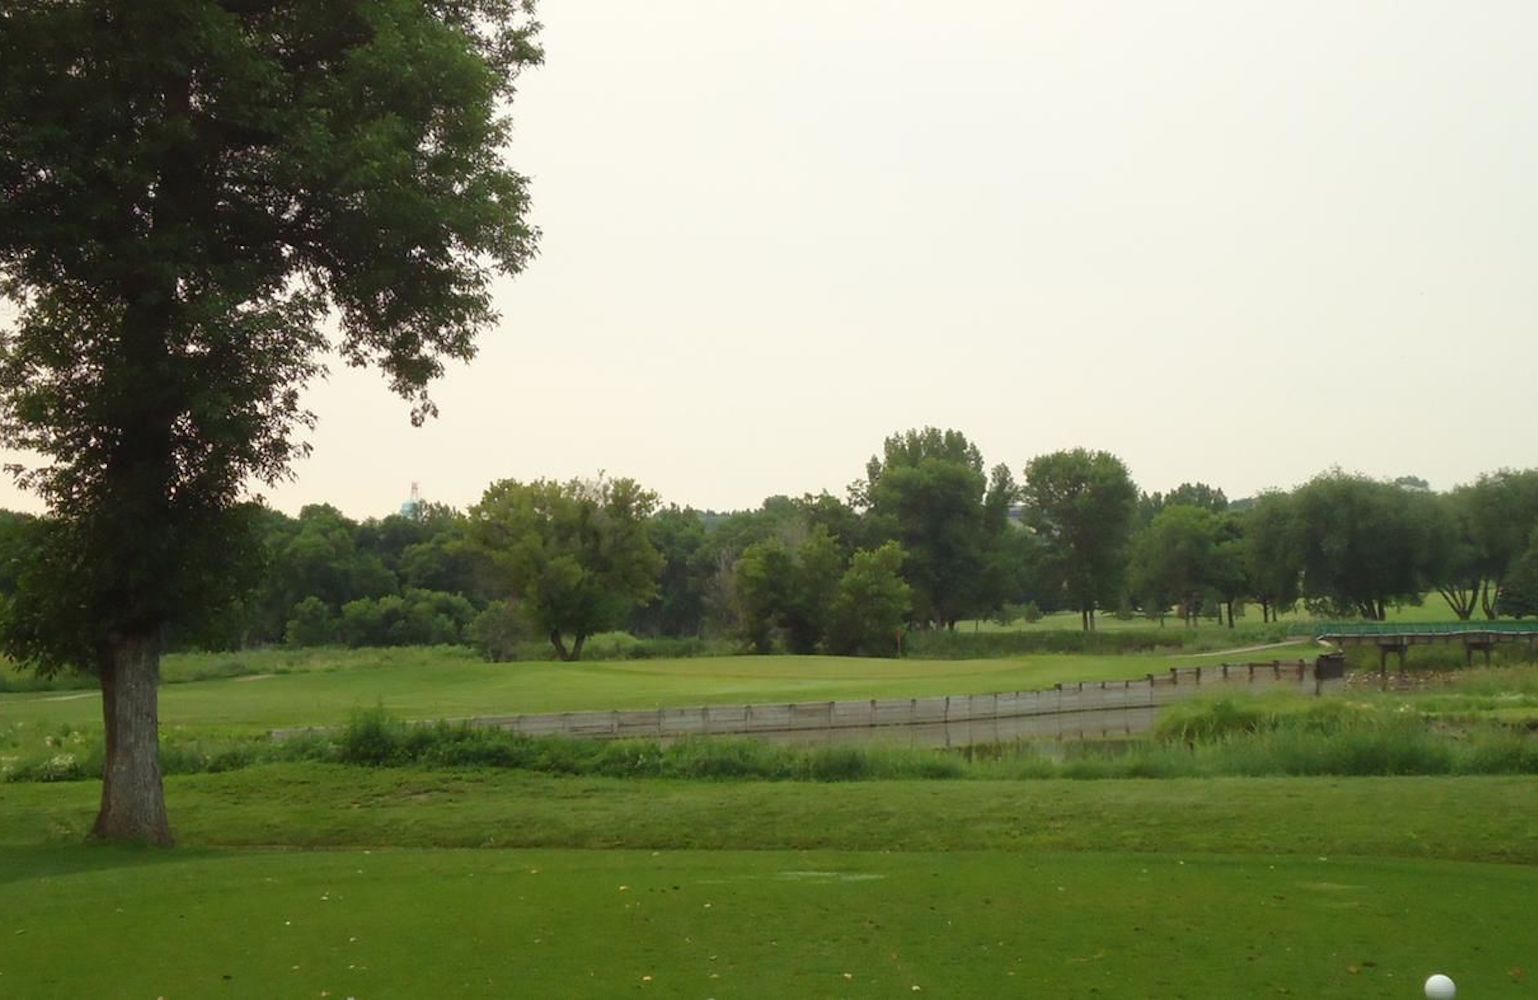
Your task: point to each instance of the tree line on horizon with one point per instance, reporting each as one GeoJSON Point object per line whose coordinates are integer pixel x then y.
{"type": "Point", "coordinates": [928, 537]}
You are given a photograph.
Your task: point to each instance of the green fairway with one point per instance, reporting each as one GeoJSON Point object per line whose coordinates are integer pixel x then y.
{"type": "Point", "coordinates": [455, 684]}
{"type": "Point", "coordinates": [413, 924]}
{"type": "Point", "coordinates": [1197, 889]}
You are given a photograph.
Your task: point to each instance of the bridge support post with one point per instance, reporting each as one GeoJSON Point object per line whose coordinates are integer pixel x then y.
{"type": "Point", "coordinates": [1384, 649]}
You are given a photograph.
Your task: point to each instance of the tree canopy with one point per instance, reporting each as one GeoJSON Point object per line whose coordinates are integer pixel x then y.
{"type": "Point", "coordinates": [189, 190]}
{"type": "Point", "coordinates": [928, 492]}
{"type": "Point", "coordinates": [575, 555]}
{"type": "Point", "coordinates": [1081, 504]}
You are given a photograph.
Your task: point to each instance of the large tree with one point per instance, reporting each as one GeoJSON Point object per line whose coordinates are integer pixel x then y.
{"type": "Point", "coordinates": [927, 491]}
{"type": "Point", "coordinates": [1273, 553]}
{"type": "Point", "coordinates": [1502, 512]}
{"type": "Point", "coordinates": [1081, 504]}
{"type": "Point", "coordinates": [190, 192]}
{"type": "Point", "coordinates": [786, 590]}
{"type": "Point", "coordinates": [1174, 560]}
{"type": "Point", "coordinates": [1363, 544]}
{"type": "Point", "coordinates": [575, 555]}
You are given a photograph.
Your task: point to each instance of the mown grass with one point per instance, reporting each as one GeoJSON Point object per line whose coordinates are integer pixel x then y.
{"type": "Point", "coordinates": [559, 923]}
{"type": "Point", "coordinates": [1206, 889]}
{"type": "Point", "coordinates": [295, 879]}
{"type": "Point", "coordinates": [336, 806]}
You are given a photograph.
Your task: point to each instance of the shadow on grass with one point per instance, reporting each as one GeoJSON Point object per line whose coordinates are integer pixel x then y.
{"type": "Point", "coordinates": [23, 864]}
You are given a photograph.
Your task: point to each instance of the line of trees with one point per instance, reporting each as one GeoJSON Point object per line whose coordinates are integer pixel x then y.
{"type": "Point", "coordinates": [927, 537]}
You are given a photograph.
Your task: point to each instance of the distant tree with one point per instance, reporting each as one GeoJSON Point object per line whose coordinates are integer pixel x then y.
{"type": "Point", "coordinates": [784, 591]}
{"type": "Point", "coordinates": [17, 533]}
{"type": "Point", "coordinates": [841, 521]}
{"type": "Point", "coordinates": [1502, 512]}
{"type": "Point", "coordinates": [1519, 595]}
{"type": "Point", "coordinates": [1173, 560]}
{"type": "Point", "coordinates": [1273, 553]}
{"type": "Point", "coordinates": [1081, 504]}
{"type": "Point", "coordinates": [415, 618]}
{"type": "Point", "coordinates": [928, 492]}
{"type": "Point", "coordinates": [447, 562]}
{"type": "Point", "coordinates": [1363, 544]}
{"type": "Point", "coordinates": [311, 624]}
{"type": "Point", "coordinates": [1186, 494]}
{"type": "Point", "coordinates": [714, 567]}
{"type": "Point", "coordinates": [762, 586]}
{"type": "Point", "coordinates": [575, 554]}
{"type": "Point", "coordinates": [871, 604]}
{"type": "Point", "coordinates": [188, 191]}
{"type": "Point", "coordinates": [1455, 568]}
{"type": "Point", "coordinates": [388, 538]}
{"type": "Point", "coordinates": [1230, 578]}
{"type": "Point", "coordinates": [322, 559]}
{"type": "Point", "coordinates": [678, 608]}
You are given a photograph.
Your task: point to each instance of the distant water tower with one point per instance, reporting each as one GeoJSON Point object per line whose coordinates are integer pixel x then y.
{"type": "Point", "coordinates": [412, 508]}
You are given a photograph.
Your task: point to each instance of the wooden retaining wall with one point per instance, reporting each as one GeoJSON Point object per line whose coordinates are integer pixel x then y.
{"type": "Point", "coordinates": [1070, 711]}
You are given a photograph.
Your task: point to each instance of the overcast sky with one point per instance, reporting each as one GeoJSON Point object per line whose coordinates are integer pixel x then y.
{"type": "Point", "coordinates": [1237, 242]}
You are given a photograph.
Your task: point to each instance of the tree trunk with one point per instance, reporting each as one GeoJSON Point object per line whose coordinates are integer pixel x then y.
{"type": "Point", "coordinates": [133, 800]}
{"type": "Point", "coordinates": [1490, 599]}
{"type": "Point", "coordinates": [576, 647]}
{"type": "Point", "coordinates": [559, 644]}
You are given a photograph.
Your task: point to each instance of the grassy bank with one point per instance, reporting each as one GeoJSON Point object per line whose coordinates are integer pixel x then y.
{"type": "Point", "coordinates": [1245, 736]}
{"type": "Point", "coordinates": [334, 806]}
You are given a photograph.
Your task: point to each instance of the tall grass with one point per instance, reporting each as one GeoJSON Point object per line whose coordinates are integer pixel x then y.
{"type": "Point", "coordinates": [1224, 737]}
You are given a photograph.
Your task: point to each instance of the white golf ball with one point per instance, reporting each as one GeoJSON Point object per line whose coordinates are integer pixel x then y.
{"type": "Point", "coordinates": [1439, 987]}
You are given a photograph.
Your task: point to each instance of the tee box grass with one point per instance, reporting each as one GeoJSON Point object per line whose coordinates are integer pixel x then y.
{"type": "Point", "coordinates": [312, 880]}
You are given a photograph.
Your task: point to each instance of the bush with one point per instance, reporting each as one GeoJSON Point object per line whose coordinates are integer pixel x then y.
{"type": "Point", "coordinates": [1201, 722]}
{"type": "Point", "coordinates": [869, 605]}
{"type": "Point", "coordinates": [415, 618]}
{"type": "Point", "coordinates": [372, 737]}
{"type": "Point", "coordinates": [61, 766]}
{"type": "Point", "coordinates": [612, 646]}
{"type": "Point", "coordinates": [837, 764]}
{"type": "Point", "coordinates": [500, 630]}
{"type": "Point", "coordinates": [310, 624]}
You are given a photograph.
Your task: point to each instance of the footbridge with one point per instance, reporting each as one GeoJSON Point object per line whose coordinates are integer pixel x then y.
{"type": "Point", "coordinates": [1396, 639]}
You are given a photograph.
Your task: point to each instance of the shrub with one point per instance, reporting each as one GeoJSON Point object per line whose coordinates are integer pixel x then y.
{"type": "Point", "coordinates": [60, 766]}
{"type": "Point", "coordinates": [415, 618]}
{"type": "Point", "coordinates": [500, 630]}
{"type": "Point", "coordinates": [837, 764]}
{"type": "Point", "coordinates": [1200, 722]}
{"type": "Point", "coordinates": [310, 624]}
{"type": "Point", "coordinates": [870, 604]}
{"type": "Point", "coordinates": [612, 646]}
{"type": "Point", "coordinates": [372, 737]}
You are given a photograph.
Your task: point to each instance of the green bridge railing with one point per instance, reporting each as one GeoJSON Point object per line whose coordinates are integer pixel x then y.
{"type": "Point", "coordinates": [1325, 630]}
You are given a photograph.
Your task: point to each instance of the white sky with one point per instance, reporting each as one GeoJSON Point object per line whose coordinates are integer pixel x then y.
{"type": "Point", "coordinates": [1236, 242]}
